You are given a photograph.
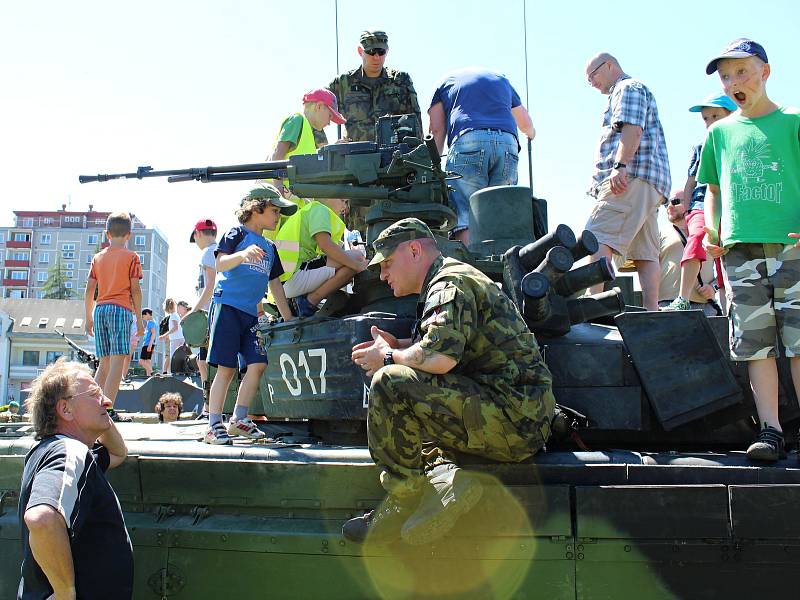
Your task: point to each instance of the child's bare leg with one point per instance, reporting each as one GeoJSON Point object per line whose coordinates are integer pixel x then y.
{"type": "Point", "coordinates": [764, 383]}
{"type": "Point", "coordinates": [689, 271]}
{"type": "Point", "coordinates": [219, 389]}
{"type": "Point", "coordinates": [342, 276]}
{"type": "Point", "coordinates": [794, 364]}
{"type": "Point", "coordinates": [111, 385]}
{"type": "Point", "coordinates": [102, 371]}
{"type": "Point", "coordinates": [249, 386]}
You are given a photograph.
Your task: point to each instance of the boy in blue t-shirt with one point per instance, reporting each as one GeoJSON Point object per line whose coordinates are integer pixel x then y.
{"type": "Point", "coordinates": [246, 265]}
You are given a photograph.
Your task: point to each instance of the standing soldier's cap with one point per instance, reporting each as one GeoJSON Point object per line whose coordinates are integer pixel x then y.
{"type": "Point", "coordinates": [395, 234]}
{"type": "Point", "coordinates": [374, 38]}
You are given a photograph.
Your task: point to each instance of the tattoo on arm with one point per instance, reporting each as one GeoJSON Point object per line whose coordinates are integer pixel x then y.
{"type": "Point", "coordinates": [417, 355]}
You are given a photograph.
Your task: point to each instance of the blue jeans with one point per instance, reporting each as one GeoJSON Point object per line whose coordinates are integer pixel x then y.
{"type": "Point", "coordinates": [483, 158]}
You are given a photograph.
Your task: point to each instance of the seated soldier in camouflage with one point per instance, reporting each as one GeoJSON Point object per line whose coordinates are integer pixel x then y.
{"type": "Point", "coordinates": [470, 380]}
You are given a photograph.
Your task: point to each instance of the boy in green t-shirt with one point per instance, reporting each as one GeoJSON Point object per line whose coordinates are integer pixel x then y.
{"type": "Point", "coordinates": [751, 163]}
{"type": "Point", "coordinates": [310, 248]}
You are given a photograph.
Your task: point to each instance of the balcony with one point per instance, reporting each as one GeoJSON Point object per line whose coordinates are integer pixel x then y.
{"type": "Point", "coordinates": [8, 282]}
{"type": "Point", "coordinates": [18, 244]}
{"type": "Point", "coordinates": [18, 263]}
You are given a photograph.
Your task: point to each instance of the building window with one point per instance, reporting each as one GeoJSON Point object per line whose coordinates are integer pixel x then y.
{"type": "Point", "coordinates": [68, 285]}
{"type": "Point", "coordinates": [69, 274]}
{"type": "Point", "coordinates": [47, 238]}
{"type": "Point", "coordinates": [89, 259]}
{"type": "Point", "coordinates": [138, 240]}
{"type": "Point", "coordinates": [70, 266]}
{"type": "Point", "coordinates": [27, 222]}
{"type": "Point", "coordinates": [40, 295]}
{"type": "Point", "coordinates": [19, 275]}
{"type": "Point", "coordinates": [47, 221]}
{"type": "Point", "coordinates": [141, 258]}
{"type": "Point", "coordinates": [21, 237]}
{"type": "Point", "coordinates": [2, 237]}
{"type": "Point", "coordinates": [41, 276]}
{"type": "Point", "coordinates": [19, 256]}
{"type": "Point", "coordinates": [18, 294]}
{"type": "Point", "coordinates": [44, 258]}
{"type": "Point", "coordinates": [72, 219]}
{"type": "Point", "coordinates": [30, 358]}
{"type": "Point", "coordinates": [53, 356]}
{"type": "Point", "coordinates": [68, 255]}
{"type": "Point", "coordinates": [68, 246]}
{"type": "Point", "coordinates": [93, 239]}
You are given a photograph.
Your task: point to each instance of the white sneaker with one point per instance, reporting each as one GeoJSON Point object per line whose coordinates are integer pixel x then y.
{"type": "Point", "coordinates": [217, 435]}
{"type": "Point", "coordinates": [245, 428]}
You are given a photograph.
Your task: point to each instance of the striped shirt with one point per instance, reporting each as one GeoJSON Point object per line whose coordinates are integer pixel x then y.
{"type": "Point", "coordinates": [631, 103]}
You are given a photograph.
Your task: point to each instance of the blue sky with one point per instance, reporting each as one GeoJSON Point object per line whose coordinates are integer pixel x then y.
{"type": "Point", "coordinates": [105, 87]}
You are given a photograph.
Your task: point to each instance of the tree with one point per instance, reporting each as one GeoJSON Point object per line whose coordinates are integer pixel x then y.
{"type": "Point", "coordinates": [55, 288]}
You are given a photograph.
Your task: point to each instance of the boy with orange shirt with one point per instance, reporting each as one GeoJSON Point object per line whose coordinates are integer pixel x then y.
{"type": "Point", "coordinates": [115, 275]}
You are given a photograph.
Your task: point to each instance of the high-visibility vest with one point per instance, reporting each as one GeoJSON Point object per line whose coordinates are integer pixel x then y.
{"type": "Point", "coordinates": [288, 240]}
{"type": "Point", "coordinates": [305, 145]}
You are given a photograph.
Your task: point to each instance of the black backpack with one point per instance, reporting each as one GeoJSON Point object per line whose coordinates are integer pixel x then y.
{"type": "Point", "coordinates": [163, 325]}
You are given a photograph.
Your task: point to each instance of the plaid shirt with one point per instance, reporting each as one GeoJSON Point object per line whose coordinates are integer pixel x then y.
{"type": "Point", "coordinates": [630, 102]}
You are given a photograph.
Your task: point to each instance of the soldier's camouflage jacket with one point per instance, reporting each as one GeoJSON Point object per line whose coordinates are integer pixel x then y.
{"type": "Point", "coordinates": [464, 315]}
{"type": "Point", "coordinates": [362, 100]}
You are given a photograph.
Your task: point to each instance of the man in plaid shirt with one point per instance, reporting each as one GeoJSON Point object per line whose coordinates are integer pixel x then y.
{"type": "Point", "coordinates": [631, 174]}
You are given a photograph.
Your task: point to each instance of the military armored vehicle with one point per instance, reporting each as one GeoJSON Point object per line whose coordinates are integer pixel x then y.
{"type": "Point", "coordinates": [651, 498]}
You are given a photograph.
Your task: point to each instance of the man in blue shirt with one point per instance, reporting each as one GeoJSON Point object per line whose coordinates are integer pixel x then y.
{"type": "Point", "coordinates": [479, 113]}
{"type": "Point", "coordinates": [247, 264]}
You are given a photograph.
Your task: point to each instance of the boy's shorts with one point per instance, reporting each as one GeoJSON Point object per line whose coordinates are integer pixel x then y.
{"type": "Point", "coordinates": [764, 295]}
{"type": "Point", "coordinates": [147, 353]}
{"type": "Point", "coordinates": [230, 334]}
{"type": "Point", "coordinates": [308, 277]}
{"type": "Point", "coordinates": [112, 330]}
{"type": "Point", "coordinates": [628, 223]}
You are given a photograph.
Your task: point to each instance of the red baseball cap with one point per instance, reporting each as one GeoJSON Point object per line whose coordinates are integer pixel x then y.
{"type": "Point", "coordinates": [203, 225]}
{"type": "Point", "coordinates": [328, 98]}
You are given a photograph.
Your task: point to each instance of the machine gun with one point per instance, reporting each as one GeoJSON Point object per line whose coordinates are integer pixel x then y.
{"type": "Point", "coordinates": [83, 356]}
{"type": "Point", "coordinates": [398, 175]}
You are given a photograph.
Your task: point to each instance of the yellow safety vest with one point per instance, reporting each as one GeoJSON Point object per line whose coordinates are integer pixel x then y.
{"type": "Point", "coordinates": [288, 240]}
{"type": "Point", "coordinates": [305, 145]}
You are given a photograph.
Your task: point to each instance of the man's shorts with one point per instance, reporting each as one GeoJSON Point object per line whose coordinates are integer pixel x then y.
{"type": "Point", "coordinates": [628, 223]}
{"type": "Point", "coordinates": [764, 296]}
{"type": "Point", "coordinates": [308, 277]}
{"type": "Point", "coordinates": [230, 334]}
{"type": "Point", "coordinates": [112, 330]}
{"type": "Point", "coordinates": [146, 353]}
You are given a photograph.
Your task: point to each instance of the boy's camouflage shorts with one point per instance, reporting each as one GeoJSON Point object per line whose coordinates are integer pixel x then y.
{"type": "Point", "coordinates": [764, 294]}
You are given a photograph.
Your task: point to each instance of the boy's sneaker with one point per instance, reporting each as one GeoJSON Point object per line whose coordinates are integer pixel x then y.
{"type": "Point", "coordinates": [768, 446]}
{"type": "Point", "coordinates": [245, 428]}
{"type": "Point", "coordinates": [679, 303]}
{"type": "Point", "coordinates": [217, 435]}
{"type": "Point", "coordinates": [301, 307]}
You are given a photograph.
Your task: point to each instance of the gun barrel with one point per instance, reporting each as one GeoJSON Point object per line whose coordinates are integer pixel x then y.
{"type": "Point", "coordinates": [263, 170]}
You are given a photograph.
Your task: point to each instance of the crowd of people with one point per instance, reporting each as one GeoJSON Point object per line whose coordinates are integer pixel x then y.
{"type": "Point", "coordinates": [470, 377]}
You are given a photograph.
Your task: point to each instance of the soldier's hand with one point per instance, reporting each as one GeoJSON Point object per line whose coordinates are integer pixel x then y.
{"type": "Point", "coordinates": [369, 355]}
{"type": "Point", "coordinates": [252, 254]}
{"type": "Point", "coordinates": [387, 337]}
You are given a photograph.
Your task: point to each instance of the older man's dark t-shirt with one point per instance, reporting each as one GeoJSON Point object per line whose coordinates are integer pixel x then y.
{"type": "Point", "coordinates": [65, 474]}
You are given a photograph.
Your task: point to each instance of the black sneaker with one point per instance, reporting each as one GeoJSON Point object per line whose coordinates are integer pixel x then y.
{"type": "Point", "coordinates": [381, 525]}
{"type": "Point", "coordinates": [768, 447]}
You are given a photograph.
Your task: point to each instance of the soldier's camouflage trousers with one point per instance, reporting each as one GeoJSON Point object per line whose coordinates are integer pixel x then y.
{"type": "Point", "coordinates": [764, 293]}
{"type": "Point", "coordinates": [409, 408]}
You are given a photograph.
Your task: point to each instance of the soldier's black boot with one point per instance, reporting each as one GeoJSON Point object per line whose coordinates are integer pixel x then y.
{"type": "Point", "coordinates": [381, 525]}
{"type": "Point", "coordinates": [452, 493]}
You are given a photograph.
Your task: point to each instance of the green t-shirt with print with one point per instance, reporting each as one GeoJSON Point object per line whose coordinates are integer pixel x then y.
{"type": "Point", "coordinates": [756, 164]}
{"type": "Point", "coordinates": [317, 219]}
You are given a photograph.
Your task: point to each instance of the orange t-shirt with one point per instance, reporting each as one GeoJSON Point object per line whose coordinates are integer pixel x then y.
{"type": "Point", "coordinates": [113, 268]}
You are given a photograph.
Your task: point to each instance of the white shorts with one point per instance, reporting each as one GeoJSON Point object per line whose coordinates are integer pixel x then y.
{"type": "Point", "coordinates": [305, 281]}
{"type": "Point", "coordinates": [174, 344]}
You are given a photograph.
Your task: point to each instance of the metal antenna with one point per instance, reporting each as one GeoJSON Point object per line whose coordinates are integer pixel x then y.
{"type": "Point", "coordinates": [336, 19]}
{"type": "Point", "coordinates": [527, 91]}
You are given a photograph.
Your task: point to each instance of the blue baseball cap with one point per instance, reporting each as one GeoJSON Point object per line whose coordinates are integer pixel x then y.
{"type": "Point", "coordinates": [715, 101]}
{"type": "Point", "coordinates": [738, 48]}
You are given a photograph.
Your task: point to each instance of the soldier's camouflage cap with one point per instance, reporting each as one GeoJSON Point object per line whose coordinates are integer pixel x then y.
{"type": "Point", "coordinates": [374, 38]}
{"type": "Point", "coordinates": [390, 238]}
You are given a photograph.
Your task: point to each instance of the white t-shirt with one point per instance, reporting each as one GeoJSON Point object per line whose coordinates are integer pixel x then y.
{"type": "Point", "coordinates": [207, 259]}
{"type": "Point", "coordinates": [174, 318]}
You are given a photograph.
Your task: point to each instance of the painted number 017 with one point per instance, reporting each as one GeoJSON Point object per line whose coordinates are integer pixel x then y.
{"type": "Point", "coordinates": [291, 371]}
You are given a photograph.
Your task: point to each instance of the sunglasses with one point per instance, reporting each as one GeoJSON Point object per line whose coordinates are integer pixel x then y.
{"type": "Point", "coordinates": [374, 51]}
{"type": "Point", "coordinates": [675, 201]}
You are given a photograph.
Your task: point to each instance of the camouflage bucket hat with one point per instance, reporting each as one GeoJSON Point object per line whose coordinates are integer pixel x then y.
{"type": "Point", "coordinates": [390, 238]}
{"type": "Point", "coordinates": [374, 38]}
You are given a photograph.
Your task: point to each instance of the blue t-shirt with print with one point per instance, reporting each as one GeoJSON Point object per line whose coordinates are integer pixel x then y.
{"type": "Point", "coordinates": [243, 287]}
{"type": "Point", "coordinates": [149, 332]}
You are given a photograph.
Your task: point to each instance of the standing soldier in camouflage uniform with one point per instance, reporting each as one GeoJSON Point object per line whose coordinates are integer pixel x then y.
{"type": "Point", "coordinates": [371, 91]}
{"type": "Point", "coordinates": [470, 380]}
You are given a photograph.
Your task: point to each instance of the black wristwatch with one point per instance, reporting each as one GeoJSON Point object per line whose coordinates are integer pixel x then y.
{"type": "Point", "coordinates": [388, 358]}
{"type": "Point", "coordinates": [620, 165]}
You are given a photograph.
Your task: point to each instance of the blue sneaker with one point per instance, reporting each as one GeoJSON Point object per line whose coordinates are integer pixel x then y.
{"type": "Point", "coordinates": [302, 308]}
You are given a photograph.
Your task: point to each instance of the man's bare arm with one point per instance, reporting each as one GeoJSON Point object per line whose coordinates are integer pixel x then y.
{"type": "Point", "coordinates": [437, 124]}
{"type": "Point", "coordinates": [49, 543]}
{"type": "Point", "coordinates": [523, 121]}
{"type": "Point", "coordinates": [628, 142]}
{"type": "Point", "coordinates": [113, 442]}
{"type": "Point", "coordinates": [209, 275]}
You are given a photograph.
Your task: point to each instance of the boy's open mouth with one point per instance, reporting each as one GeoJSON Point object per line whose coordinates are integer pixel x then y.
{"type": "Point", "coordinates": [740, 97]}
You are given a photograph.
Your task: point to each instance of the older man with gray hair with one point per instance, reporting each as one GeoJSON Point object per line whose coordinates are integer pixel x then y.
{"type": "Point", "coordinates": [631, 174]}
{"type": "Point", "coordinates": [74, 538]}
